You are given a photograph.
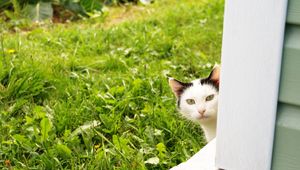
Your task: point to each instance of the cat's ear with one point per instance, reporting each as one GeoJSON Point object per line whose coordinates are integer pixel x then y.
{"type": "Point", "coordinates": [215, 75]}
{"type": "Point", "coordinates": [177, 86]}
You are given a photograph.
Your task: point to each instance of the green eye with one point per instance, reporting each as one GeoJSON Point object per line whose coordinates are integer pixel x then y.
{"type": "Point", "coordinates": [190, 101]}
{"type": "Point", "coordinates": [210, 97]}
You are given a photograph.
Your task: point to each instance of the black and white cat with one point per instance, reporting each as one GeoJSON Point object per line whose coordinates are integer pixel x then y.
{"type": "Point", "coordinates": [198, 101]}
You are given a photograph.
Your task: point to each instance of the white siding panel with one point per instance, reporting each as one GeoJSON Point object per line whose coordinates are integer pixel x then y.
{"type": "Point", "coordinates": [251, 59]}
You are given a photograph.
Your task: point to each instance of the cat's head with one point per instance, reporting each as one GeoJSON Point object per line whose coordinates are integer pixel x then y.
{"type": "Point", "coordinates": [198, 100]}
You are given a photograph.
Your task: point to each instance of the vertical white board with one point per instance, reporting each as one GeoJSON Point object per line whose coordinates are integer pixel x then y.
{"type": "Point", "coordinates": [251, 59]}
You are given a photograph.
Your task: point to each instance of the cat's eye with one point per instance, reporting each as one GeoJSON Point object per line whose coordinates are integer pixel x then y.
{"type": "Point", "coordinates": [210, 97]}
{"type": "Point", "coordinates": [190, 101]}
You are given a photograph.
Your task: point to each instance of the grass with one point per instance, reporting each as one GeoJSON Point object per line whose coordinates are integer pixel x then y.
{"type": "Point", "coordinates": [94, 94]}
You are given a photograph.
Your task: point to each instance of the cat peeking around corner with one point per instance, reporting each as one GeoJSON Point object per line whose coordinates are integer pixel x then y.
{"type": "Point", "coordinates": [198, 101]}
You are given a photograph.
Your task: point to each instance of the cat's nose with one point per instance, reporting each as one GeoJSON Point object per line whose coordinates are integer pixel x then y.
{"type": "Point", "coordinates": [201, 112]}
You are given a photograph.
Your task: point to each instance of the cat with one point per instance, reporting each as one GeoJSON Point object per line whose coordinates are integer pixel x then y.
{"type": "Point", "coordinates": [198, 100]}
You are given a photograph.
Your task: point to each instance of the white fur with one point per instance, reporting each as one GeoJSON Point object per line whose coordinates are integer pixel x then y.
{"type": "Point", "coordinates": [199, 93]}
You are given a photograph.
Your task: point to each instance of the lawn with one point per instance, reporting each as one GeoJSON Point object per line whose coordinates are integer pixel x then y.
{"type": "Point", "coordinates": [93, 94]}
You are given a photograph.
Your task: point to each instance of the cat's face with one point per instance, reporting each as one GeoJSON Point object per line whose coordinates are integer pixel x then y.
{"type": "Point", "coordinates": [198, 100]}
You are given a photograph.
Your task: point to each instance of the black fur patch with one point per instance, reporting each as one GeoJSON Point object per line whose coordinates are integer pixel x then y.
{"type": "Point", "coordinates": [185, 86]}
{"type": "Point", "coordinates": [210, 82]}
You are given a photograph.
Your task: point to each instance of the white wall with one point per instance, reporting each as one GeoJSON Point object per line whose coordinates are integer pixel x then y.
{"type": "Point", "coordinates": [251, 59]}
